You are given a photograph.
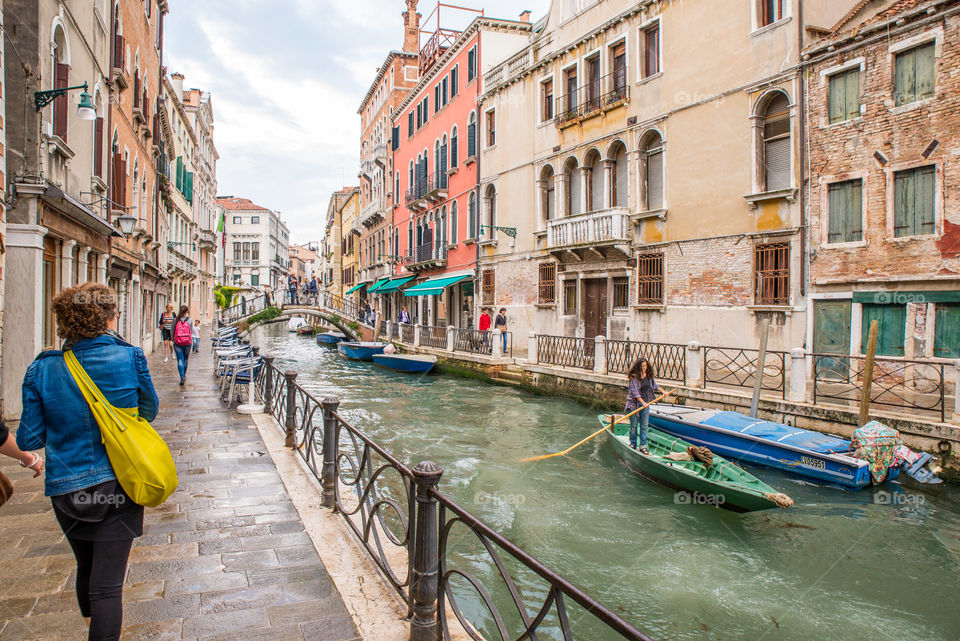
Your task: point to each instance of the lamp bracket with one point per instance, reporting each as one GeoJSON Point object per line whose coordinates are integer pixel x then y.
{"type": "Point", "coordinates": [43, 98]}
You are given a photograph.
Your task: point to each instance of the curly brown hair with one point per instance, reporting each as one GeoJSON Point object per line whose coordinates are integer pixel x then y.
{"type": "Point", "coordinates": [84, 311]}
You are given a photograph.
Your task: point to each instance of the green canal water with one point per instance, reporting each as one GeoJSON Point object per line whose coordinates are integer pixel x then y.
{"type": "Point", "coordinates": [883, 563]}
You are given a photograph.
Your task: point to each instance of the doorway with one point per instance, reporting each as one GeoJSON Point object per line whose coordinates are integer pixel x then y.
{"type": "Point", "coordinates": [831, 335]}
{"type": "Point", "coordinates": [594, 307]}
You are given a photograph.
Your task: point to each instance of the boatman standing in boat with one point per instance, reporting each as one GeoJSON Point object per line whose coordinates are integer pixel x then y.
{"type": "Point", "coordinates": [641, 388]}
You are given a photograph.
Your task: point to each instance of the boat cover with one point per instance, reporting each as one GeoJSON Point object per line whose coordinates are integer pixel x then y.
{"type": "Point", "coordinates": [877, 444]}
{"type": "Point", "coordinates": [778, 432]}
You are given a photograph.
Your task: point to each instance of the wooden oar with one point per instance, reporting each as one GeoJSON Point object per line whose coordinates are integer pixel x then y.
{"type": "Point", "coordinates": [601, 431]}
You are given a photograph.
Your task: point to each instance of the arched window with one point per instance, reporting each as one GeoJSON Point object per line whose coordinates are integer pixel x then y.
{"type": "Point", "coordinates": [651, 170]}
{"type": "Point", "coordinates": [98, 135]}
{"type": "Point", "coordinates": [490, 212]}
{"type": "Point", "coordinates": [776, 143]}
{"type": "Point", "coordinates": [618, 175]}
{"type": "Point", "coordinates": [411, 179]}
{"type": "Point", "coordinates": [594, 181]}
{"type": "Point", "coordinates": [442, 234]}
{"type": "Point", "coordinates": [436, 165]}
{"type": "Point", "coordinates": [454, 223]}
{"type": "Point", "coordinates": [472, 215]}
{"type": "Point", "coordinates": [472, 135]}
{"type": "Point", "coordinates": [396, 189]}
{"type": "Point", "coordinates": [547, 192]}
{"type": "Point", "coordinates": [573, 202]}
{"type": "Point", "coordinates": [409, 239]}
{"type": "Point", "coordinates": [453, 147]}
{"type": "Point", "coordinates": [61, 80]}
{"type": "Point", "coordinates": [442, 168]}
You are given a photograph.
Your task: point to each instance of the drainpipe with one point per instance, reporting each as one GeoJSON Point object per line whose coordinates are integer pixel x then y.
{"type": "Point", "coordinates": [478, 286]}
{"type": "Point", "coordinates": [804, 174]}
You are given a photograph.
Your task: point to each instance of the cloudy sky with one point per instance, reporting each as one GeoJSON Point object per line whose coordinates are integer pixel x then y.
{"type": "Point", "coordinates": [287, 77]}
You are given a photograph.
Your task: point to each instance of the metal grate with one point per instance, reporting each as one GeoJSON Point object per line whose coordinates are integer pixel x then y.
{"type": "Point", "coordinates": [570, 297]}
{"type": "Point", "coordinates": [621, 292]}
{"type": "Point", "coordinates": [650, 279]}
{"type": "Point", "coordinates": [488, 285]}
{"type": "Point", "coordinates": [433, 336]}
{"type": "Point", "coordinates": [738, 368]}
{"type": "Point", "coordinates": [547, 291]}
{"type": "Point", "coordinates": [669, 360]}
{"type": "Point", "coordinates": [569, 351]}
{"type": "Point", "coordinates": [772, 268]}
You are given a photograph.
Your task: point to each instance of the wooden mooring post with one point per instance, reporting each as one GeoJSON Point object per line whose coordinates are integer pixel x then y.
{"type": "Point", "coordinates": [761, 360]}
{"type": "Point", "coordinates": [868, 375]}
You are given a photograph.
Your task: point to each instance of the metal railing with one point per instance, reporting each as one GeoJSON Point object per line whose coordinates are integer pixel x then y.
{"type": "Point", "coordinates": [436, 181]}
{"type": "Point", "coordinates": [730, 366]}
{"type": "Point", "coordinates": [898, 384]}
{"type": "Point", "coordinates": [669, 360]}
{"type": "Point", "coordinates": [345, 307]}
{"type": "Point", "coordinates": [244, 308]}
{"type": "Point", "coordinates": [603, 93]}
{"type": "Point", "coordinates": [426, 252]}
{"type": "Point", "coordinates": [431, 336]}
{"type": "Point", "coordinates": [408, 527]}
{"type": "Point", "coordinates": [568, 351]}
{"type": "Point", "coordinates": [472, 341]}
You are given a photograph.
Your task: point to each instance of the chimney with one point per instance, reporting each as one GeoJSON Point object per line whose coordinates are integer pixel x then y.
{"type": "Point", "coordinates": [176, 79]}
{"type": "Point", "coordinates": [525, 16]}
{"type": "Point", "coordinates": [411, 28]}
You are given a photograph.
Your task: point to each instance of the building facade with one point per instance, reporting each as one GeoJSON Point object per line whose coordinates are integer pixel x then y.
{"type": "Point", "coordinates": [305, 262]}
{"type": "Point", "coordinates": [334, 242]}
{"type": "Point", "coordinates": [350, 244]}
{"type": "Point", "coordinates": [257, 246]}
{"type": "Point", "coordinates": [884, 183]}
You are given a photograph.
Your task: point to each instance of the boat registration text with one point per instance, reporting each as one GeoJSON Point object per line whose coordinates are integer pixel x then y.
{"type": "Point", "coordinates": [813, 462]}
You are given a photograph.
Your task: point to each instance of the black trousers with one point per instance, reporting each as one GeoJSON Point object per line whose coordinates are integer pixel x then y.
{"type": "Point", "coordinates": [101, 566]}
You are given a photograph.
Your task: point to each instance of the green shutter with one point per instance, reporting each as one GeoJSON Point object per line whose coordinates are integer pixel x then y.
{"type": "Point", "coordinates": [835, 214]}
{"type": "Point", "coordinates": [852, 227]}
{"type": "Point", "coordinates": [925, 184]}
{"type": "Point", "coordinates": [179, 178]}
{"type": "Point", "coordinates": [891, 328]}
{"type": "Point", "coordinates": [903, 203]}
{"type": "Point", "coordinates": [845, 212]}
{"type": "Point", "coordinates": [904, 81]}
{"type": "Point", "coordinates": [852, 93]}
{"type": "Point", "coordinates": [946, 341]}
{"type": "Point", "coordinates": [837, 90]}
{"type": "Point", "coordinates": [925, 62]}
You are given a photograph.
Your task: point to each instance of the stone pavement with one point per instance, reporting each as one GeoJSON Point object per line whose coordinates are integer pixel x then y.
{"type": "Point", "coordinates": [225, 559]}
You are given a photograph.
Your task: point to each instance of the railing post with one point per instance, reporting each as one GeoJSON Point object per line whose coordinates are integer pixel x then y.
{"type": "Point", "coordinates": [798, 375]}
{"type": "Point", "coordinates": [330, 451]}
{"type": "Point", "coordinates": [424, 565]}
{"type": "Point", "coordinates": [416, 335]}
{"type": "Point", "coordinates": [451, 337]}
{"type": "Point", "coordinates": [694, 364]}
{"type": "Point", "coordinates": [599, 355]}
{"type": "Point", "coordinates": [532, 355]}
{"type": "Point", "coordinates": [268, 384]}
{"type": "Point", "coordinates": [956, 392]}
{"type": "Point", "coordinates": [291, 419]}
{"type": "Point", "coordinates": [496, 337]}
{"type": "Point", "coordinates": [389, 330]}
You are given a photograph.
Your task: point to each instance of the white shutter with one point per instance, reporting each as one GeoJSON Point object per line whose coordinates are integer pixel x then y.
{"type": "Point", "coordinates": [777, 163]}
{"type": "Point", "coordinates": [655, 180]}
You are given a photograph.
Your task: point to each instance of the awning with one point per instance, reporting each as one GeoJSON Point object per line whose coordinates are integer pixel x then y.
{"type": "Point", "coordinates": [394, 285]}
{"type": "Point", "coordinates": [434, 286]}
{"type": "Point", "coordinates": [377, 284]}
{"type": "Point", "coordinates": [353, 289]}
{"type": "Point", "coordinates": [902, 297]}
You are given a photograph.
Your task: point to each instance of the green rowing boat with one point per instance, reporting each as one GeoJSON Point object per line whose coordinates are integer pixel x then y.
{"type": "Point", "coordinates": [722, 484]}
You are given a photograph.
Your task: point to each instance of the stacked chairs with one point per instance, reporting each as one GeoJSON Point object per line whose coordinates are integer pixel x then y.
{"type": "Point", "coordinates": [238, 373]}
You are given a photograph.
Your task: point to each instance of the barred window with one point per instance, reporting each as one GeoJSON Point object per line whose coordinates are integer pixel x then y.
{"type": "Point", "coordinates": [650, 279]}
{"type": "Point", "coordinates": [547, 283]}
{"type": "Point", "coordinates": [570, 297]}
{"type": "Point", "coordinates": [772, 269]}
{"type": "Point", "coordinates": [487, 287]}
{"type": "Point", "coordinates": [621, 292]}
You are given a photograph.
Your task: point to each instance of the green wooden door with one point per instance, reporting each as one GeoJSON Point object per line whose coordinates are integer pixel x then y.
{"type": "Point", "coordinates": [891, 328]}
{"type": "Point", "coordinates": [831, 335]}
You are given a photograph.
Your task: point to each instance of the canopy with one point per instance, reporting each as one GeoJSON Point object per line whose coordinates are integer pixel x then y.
{"type": "Point", "coordinates": [353, 289]}
{"type": "Point", "coordinates": [434, 286]}
{"type": "Point", "coordinates": [377, 284]}
{"type": "Point", "coordinates": [394, 284]}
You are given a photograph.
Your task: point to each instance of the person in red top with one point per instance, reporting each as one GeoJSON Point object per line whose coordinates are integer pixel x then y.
{"type": "Point", "coordinates": [484, 327]}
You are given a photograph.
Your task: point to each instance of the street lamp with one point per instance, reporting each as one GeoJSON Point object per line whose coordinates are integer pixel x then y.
{"type": "Point", "coordinates": [85, 108]}
{"type": "Point", "coordinates": [126, 222]}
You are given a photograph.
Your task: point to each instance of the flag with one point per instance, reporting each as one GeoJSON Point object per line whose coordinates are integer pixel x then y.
{"type": "Point", "coordinates": [223, 235]}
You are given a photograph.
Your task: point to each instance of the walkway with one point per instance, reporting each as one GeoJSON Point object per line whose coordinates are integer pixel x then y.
{"type": "Point", "coordinates": [226, 558]}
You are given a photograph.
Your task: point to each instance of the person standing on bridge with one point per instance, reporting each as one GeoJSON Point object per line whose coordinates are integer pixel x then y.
{"type": "Point", "coordinates": [292, 289]}
{"type": "Point", "coordinates": [314, 290]}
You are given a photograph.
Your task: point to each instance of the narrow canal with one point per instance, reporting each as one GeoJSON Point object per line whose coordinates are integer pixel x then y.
{"type": "Point", "coordinates": [880, 563]}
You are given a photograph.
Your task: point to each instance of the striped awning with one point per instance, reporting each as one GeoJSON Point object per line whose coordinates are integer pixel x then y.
{"type": "Point", "coordinates": [434, 286]}
{"type": "Point", "coordinates": [394, 284]}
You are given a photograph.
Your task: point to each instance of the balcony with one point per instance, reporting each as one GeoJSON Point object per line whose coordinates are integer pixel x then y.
{"type": "Point", "coordinates": [588, 101]}
{"type": "Point", "coordinates": [118, 74]}
{"type": "Point", "coordinates": [375, 271]}
{"type": "Point", "coordinates": [603, 234]}
{"type": "Point", "coordinates": [426, 256]}
{"type": "Point", "coordinates": [427, 191]}
{"type": "Point", "coordinates": [380, 155]}
{"type": "Point", "coordinates": [207, 239]}
{"type": "Point", "coordinates": [372, 214]}
{"type": "Point", "coordinates": [181, 266]}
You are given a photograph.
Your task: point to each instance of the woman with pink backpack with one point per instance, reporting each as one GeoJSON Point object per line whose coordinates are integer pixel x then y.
{"type": "Point", "coordinates": [182, 340]}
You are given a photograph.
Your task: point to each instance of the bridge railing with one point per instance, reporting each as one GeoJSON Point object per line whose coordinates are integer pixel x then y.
{"type": "Point", "coordinates": [408, 526]}
{"type": "Point", "coordinates": [244, 308]}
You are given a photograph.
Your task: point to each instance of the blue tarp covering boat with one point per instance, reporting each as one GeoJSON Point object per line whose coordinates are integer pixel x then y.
{"type": "Point", "coordinates": [778, 432]}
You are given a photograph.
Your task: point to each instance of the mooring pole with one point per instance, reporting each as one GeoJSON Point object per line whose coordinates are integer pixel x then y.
{"type": "Point", "coordinates": [761, 360]}
{"type": "Point", "coordinates": [868, 374]}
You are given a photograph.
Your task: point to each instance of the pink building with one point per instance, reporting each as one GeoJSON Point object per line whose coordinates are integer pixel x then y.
{"type": "Point", "coordinates": [436, 174]}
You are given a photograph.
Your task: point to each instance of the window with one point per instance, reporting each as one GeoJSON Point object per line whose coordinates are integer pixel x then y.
{"type": "Point", "coordinates": [454, 81]}
{"type": "Point", "coordinates": [546, 93]}
{"type": "Point", "coordinates": [846, 211]}
{"type": "Point", "coordinates": [772, 269]}
{"type": "Point", "coordinates": [652, 171]}
{"type": "Point", "coordinates": [488, 283]}
{"type": "Point", "coordinates": [254, 220]}
{"type": "Point", "coordinates": [426, 110]}
{"type": "Point", "coordinates": [443, 91]}
{"type": "Point", "coordinates": [547, 283]}
{"type": "Point", "coordinates": [436, 98]}
{"type": "Point", "coordinates": [569, 297]}
{"type": "Point", "coordinates": [770, 11]}
{"type": "Point", "coordinates": [891, 328]}
{"type": "Point", "coordinates": [254, 279]}
{"type": "Point", "coordinates": [845, 95]}
{"type": "Point", "coordinates": [453, 147]}
{"type": "Point", "coordinates": [472, 215]}
{"type": "Point", "coordinates": [914, 79]}
{"type": "Point", "coordinates": [419, 116]}
{"type": "Point", "coordinates": [593, 83]}
{"type": "Point", "coordinates": [472, 136]}
{"type": "Point", "coordinates": [410, 128]}
{"type": "Point", "coordinates": [618, 55]}
{"type": "Point", "coordinates": [650, 279]}
{"type": "Point", "coordinates": [396, 188]}
{"type": "Point", "coordinates": [946, 340]}
{"type": "Point", "coordinates": [454, 224]}
{"type": "Point", "coordinates": [237, 252]}
{"type": "Point", "coordinates": [570, 86]}
{"type": "Point", "coordinates": [255, 251]}
{"type": "Point", "coordinates": [913, 201]}
{"type": "Point", "coordinates": [472, 64]}
{"type": "Point", "coordinates": [776, 143]}
{"type": "Point", "coordinates": [651, 50]}
{"type": "Point", "coordinates": [237, 220]}
{"type": "Point", "coordinates": [491, 128]}
{"type": "Point", "coordinates": [246, 251]}
{"type": "Point", "coordinates": [621, 292]}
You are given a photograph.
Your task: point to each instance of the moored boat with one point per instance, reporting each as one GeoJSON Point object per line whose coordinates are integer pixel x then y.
{"type": "Point", "coordinates": [296, 323]}
{"type": "Point", "coordinates": [360, 351]}
{"type": "Point", "coordinates": [330, 339]}
{"type": "Point", "coordinates": [413, 363]}
{"type": "Point", "coordinates": [721, 484]}
{"type": "Point", "coordinates": [305, 330]}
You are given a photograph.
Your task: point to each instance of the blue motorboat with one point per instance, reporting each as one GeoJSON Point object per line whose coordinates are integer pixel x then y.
{"type": "Point", "coordinates": [413, 363]}
{"type": "Point", "coordinates": [330, 339]}
{"type": "Point", "coordinates": [740, 438]}
{"type": "Point", "coordinates": [360, 351]}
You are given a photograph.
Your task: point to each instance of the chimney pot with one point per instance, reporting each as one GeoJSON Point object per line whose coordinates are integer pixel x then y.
{"type": "Point", "coordinates": [525, 15]}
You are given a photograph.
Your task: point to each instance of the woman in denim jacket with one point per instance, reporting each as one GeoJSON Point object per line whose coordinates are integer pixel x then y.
{"type": "Point", "coordinates": [98, 518]}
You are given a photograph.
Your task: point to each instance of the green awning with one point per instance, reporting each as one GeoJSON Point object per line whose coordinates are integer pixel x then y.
{"type": "Point", "coordinates": [394, 285]}
{"type": "Point", "coordinates": [434, 286]}
{"type": "Point", "coordinates": [353, 289]}
{"type": "Point", "coordinates": [904, 297]}
{"type": "Point", "coordinates": [377, 284]}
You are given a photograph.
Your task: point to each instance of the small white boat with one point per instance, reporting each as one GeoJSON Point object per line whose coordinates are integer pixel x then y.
{"type": "Point", "coordinates": [296, 323]}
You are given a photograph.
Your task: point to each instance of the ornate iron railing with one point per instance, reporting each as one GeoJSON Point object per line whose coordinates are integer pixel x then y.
{"type": "Point", "coordinates": [472, 341]}
{"type": "Point", "coordinates": [899, 384]}
{"type": "Point", "coordinates": [567, 351]}
{"type": "Point", "coordinates": [730, 366]}
{"type": "Point", "coordinates": [244, 308]}
{"type": "Point", "coordinates": [345, 307]}
{"type": "Point", "coordinates": [433, 336]}
{"type": "Point", "coordinates": [405, 332]}
{"type": "Point", "coordinates": [669, 360]}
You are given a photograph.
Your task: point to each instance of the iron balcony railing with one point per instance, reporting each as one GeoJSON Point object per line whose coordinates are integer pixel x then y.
{"type": "Point", "coordinates": [426, 185]}
{"type": "Point", "coordinates": [592, 98]}
{"type": "Point", "coordinates": [605, 225]}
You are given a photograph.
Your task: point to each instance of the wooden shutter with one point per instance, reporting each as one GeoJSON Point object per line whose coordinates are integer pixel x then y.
{"type": "Point", "coordinates": [853, 229]}
{"type": "Point", "coordinates": [651, 48]}
{"type": "Point", "coordinates": [98, 148]}
{"type": "Point", "coordinates": [654, 180]}
{"type": "Point", "coordinates": [454, 80]}
{"type": "Point", "coordinates": [777, 160]}
{"type": "Point", "coordinates": [61, 81]}
{"type": "Point", "coordinates": [837, 97]}
{"type": "Point", "coordinates": [852, 93]}
{"type": "Point", "coordinates": [410, 123]}
{"type": "Point", "coordinates": [904, 78]}
{"type": "Point", "coordinates": [903, 214]}
{"type": "Point", "coordinates": [925, 185]}
{"type": "Point", "coordinates": [472, 139]}
{"type": "Point", "coordinates": [453, 150]}
{"type": "Point", "coordinates": [924, 70]}
{"type": "Point", "coordinates": [946, 341]}
{"type": "Point", "coordinates": [395, 138]}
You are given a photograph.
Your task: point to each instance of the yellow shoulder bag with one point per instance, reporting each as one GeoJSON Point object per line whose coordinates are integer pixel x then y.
{"type": "Point", "coordinates": [139, 456]}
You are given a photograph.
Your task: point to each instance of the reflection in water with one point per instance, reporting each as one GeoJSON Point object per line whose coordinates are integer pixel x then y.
{"type": "Point", "coordinates": [838, 565]}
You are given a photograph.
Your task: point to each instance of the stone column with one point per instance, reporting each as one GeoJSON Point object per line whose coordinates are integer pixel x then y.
{"type": "Point", "coordinates": [102, 269]}
{"type": "Point", "coordinates": [599, 355]}
{"type": "Point", "coordinates": [389, 330]}
{"type": "Point", "coordinates": [416, 335]}
{"type": "Point", "coordinates": [694, 361]}
{"type": "Point", "coordinates": [487, 218]}
{"type": "Point", "coordinates": [67, 272]}
{"type": "Point", "coordinates": [532, 355]}
{"type": "Point", "coordinates": [798, 375]}
{"type": "Point", "coordinates": [584, 186]}
{"type": "Point", "coordinates": [451, 338]}
{"type": "Point", "coordinates": [563, 186]}
{"type": "Point", "coordinates": [539, 204]}
{"type": "Point", "coordinates": [82, 265]}
{"type": "Point", "coordinates": [607, 184]}
{"type": "Point", "coordinates": [496, 338]}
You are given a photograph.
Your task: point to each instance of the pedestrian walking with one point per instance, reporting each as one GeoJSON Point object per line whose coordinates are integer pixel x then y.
{"type": "Point", "coordinates": [266, 295]}
{"type": "Point", "coordinates": [501, 323]}
{"type": "Point", "coordinates": [366, 312]}
{"type": "Point", "coordinates": [641, 388]}
{"type": "Point", "coordinates": [196, 335]}
{"type": "Point", "coordinates": [314, 290]}
{"type": "Point", "coordinates": [182, 341]}
{"type": "Point", "coordinates": [404, 316]}
{"type": "Point", "coordinates": [484, 327]}
{"type": "Point", "coordinates": [166, 331]}
{"type": "Point", "coordinates": [97, 517]}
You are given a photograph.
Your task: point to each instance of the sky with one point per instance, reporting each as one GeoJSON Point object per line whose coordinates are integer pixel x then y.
{"type": "Point", "coordinates": [286, 78]}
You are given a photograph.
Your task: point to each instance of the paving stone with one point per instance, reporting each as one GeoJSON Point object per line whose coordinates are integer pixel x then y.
{"type": "Point", "coordinates": [212, 624]}
{"type": "Point", "coordinates": [169, 607]}
{"type": "Point", "coordinates": [338, 629]}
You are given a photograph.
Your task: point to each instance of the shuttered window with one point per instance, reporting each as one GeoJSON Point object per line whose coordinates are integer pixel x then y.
{"type": "Point", "coordinates": [846, 212]}
{"type": "Point", "coordinates": [453, 148]}
{"type": "Point", "coordinates": [914, 77]}
{"type": "Point", "coordinates": [651, 50]}
{"type": "Point", "coordinates": [410, 128]}
{"type": "Point", "coordinates": [913, 201]}
{"type": "Point", "coordinates": [650, 279]}
{"type": "Point", "coordinates": [770, 11]}
{"type": "Point", "coordinates": [454, 81]}
{"type": "Point", "coordinates": [946, 341]}
{"type": "Point", "coordinates": [491, 128]}
{"type": "Point", "coordinates": [547, 283]}
{"type": "Point", "coordinates": [454, 224]}
{"type": "Point", "coordinates": [98, 148]}
{"type": "Point", "coordinates": [776, 144]}
{"type": "Point", "coordinates": [488, 284]}
{"type": "Point", "coordinates": [471, 64]}
{"type": "Point", "coordinates": [891, 328]}
{"type": "Point", "coordinates": [395, 138]}
{"type": "Point", "coordinates": [655, 178]}
{"type": "Point", "coordinates": [547, 110]}
{"type": "Point", "coordinates": [60, 106]}
{"type": "Point", "coordinates": [845, 95]}
{"type": "Point", "coordinates": [472, 137]}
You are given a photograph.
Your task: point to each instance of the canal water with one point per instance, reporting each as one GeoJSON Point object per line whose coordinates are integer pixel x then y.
{"type": "Point", "coordinates": [882, 563]}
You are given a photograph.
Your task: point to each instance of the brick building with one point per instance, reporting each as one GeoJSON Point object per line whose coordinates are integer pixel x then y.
{"type": "Point", "coordinates": [884, 185]}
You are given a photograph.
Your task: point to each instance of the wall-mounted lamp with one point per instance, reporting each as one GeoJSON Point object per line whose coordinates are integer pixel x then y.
{"type": "Point", "coordinates": [85, 108]}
